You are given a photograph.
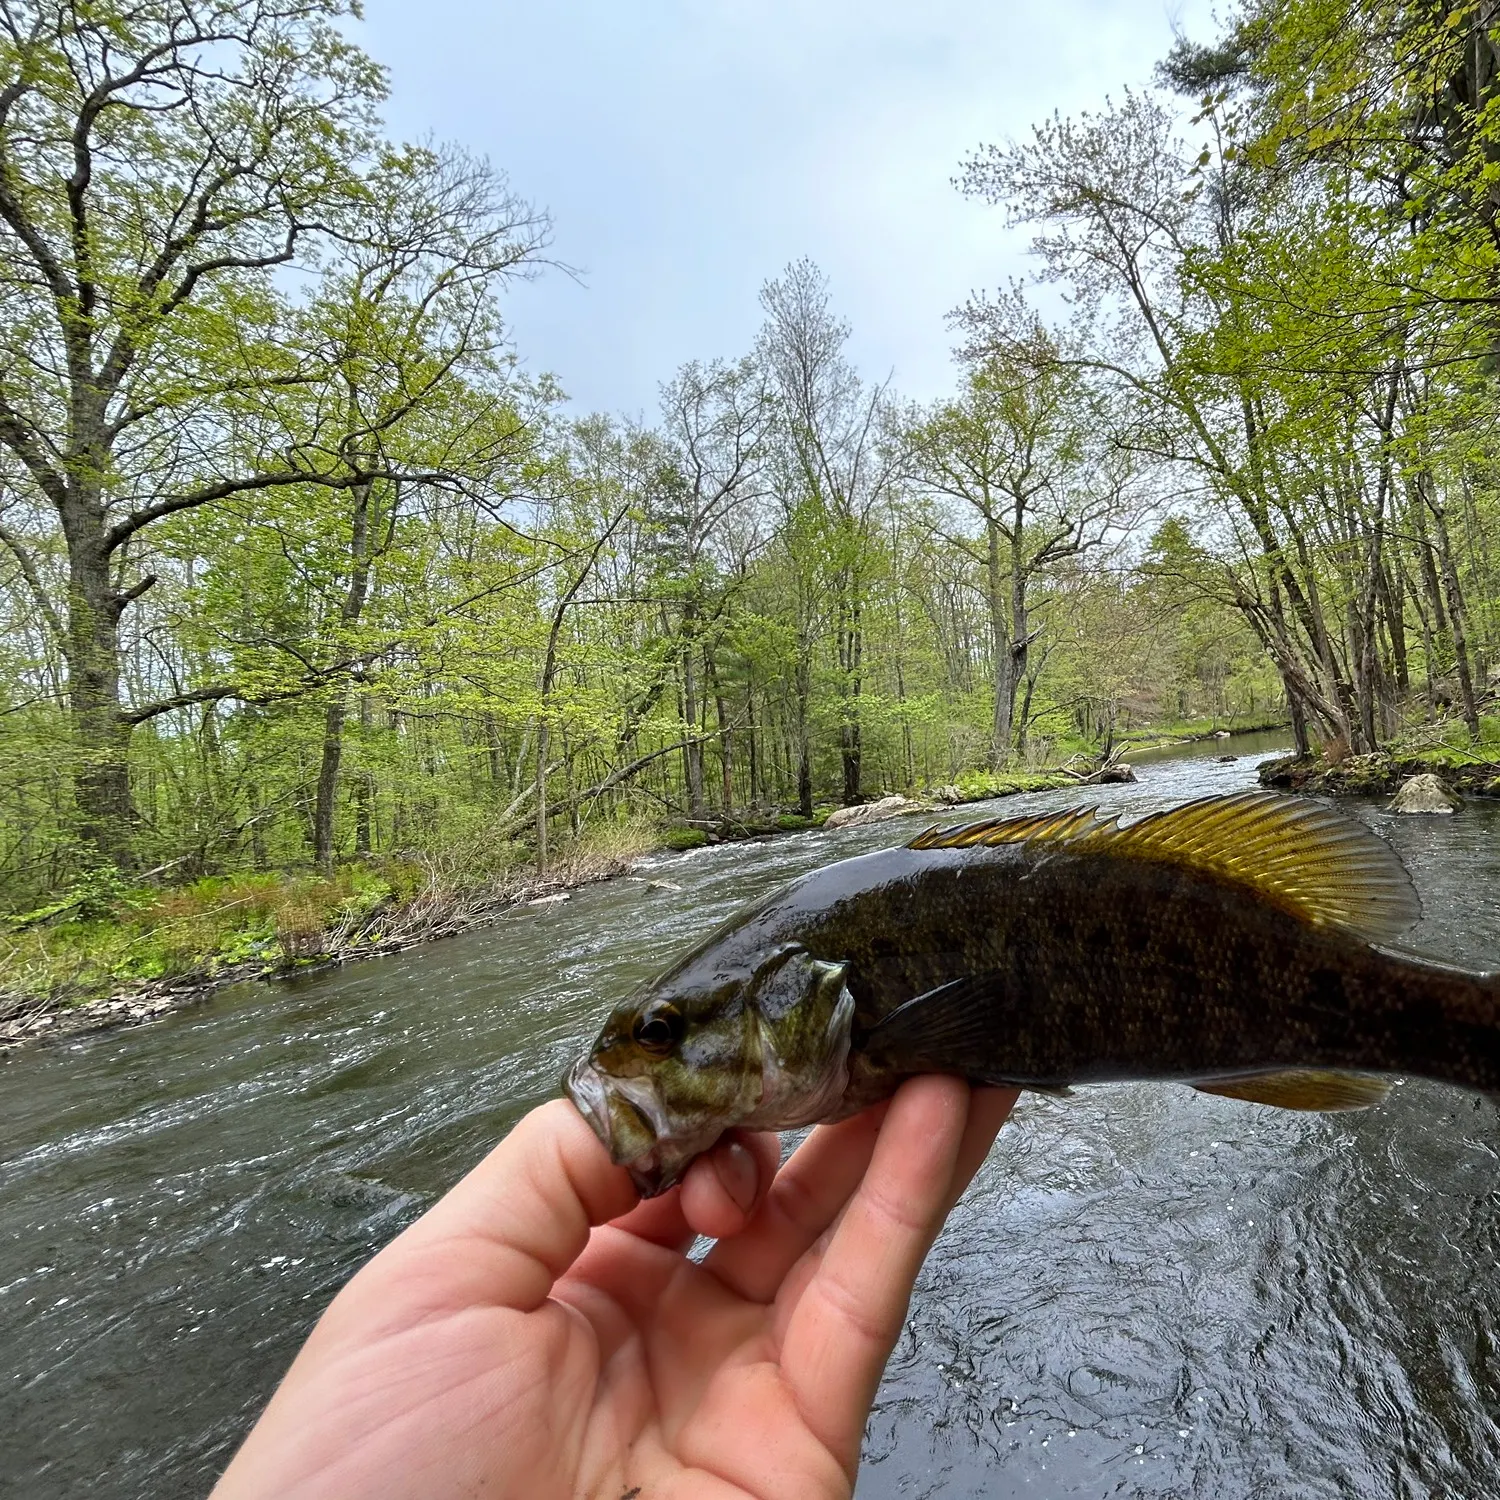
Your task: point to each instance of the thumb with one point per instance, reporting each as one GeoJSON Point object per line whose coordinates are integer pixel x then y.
{"type": "Point", "coordinates": [506, 1232]}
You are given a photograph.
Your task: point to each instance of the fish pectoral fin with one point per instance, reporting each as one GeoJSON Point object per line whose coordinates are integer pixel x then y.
{"type": "Point", "coordinates": [950, 1027]}
{"type": "Point", "coordinates": [1302, 1088]}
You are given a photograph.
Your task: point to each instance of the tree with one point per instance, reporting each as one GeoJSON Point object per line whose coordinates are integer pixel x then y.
{"type": "Point", "coordinates": [1182, 264]}
{"type": "Point", "coordinates": [1026, 447]}
{"type": "Point", "coordinates": [834, 459]}
{"type": "Point", "coordinates": [716, 423]}
{"type": "Point", "coordinates": [414, 349]}
{"type": "Point", "coordinates": [159, 164]}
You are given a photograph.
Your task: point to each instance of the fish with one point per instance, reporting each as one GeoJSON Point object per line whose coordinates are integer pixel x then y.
{"type": "Point", "coordinates": [1245, 945]}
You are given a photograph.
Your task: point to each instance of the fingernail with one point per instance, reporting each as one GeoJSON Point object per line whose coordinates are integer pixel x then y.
{"type": "Point", "coordinates": [737, 1171]}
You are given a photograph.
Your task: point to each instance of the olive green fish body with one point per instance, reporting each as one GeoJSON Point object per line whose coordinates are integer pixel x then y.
{"type": "Point", "coordinates": [1084, 969]}
{"type": "Point", "coordinates": [1239, 944]}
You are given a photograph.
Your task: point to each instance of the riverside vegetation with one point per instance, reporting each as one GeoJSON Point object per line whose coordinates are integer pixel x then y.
{"type": "Point", "coordinates": [324, 624]}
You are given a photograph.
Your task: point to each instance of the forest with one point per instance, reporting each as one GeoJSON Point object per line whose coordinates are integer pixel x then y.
{"type": "Point", "coordinates": [314, 600]}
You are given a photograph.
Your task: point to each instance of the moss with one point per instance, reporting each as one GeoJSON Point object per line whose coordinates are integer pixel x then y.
{"type": "Point", "coordinates": [794, 822]}
{"type": "Point", "coordinates": [979, 786]}
{"type": "Point", "coordinates": [684, 838]}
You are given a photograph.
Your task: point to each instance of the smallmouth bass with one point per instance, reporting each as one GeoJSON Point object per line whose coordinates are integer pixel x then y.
{"type": "Point", "coordinates": [1237, 944]}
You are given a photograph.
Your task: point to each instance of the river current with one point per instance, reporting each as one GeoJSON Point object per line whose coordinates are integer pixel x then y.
{"type": "Point", "coordinates": [1147, 1292]}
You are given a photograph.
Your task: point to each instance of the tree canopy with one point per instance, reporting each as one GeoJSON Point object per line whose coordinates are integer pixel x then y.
{"type": "Point", "coordinates": [301, 568]}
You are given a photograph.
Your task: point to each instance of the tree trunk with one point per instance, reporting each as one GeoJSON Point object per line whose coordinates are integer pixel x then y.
{"type": "Point", "coordinates": [1456, 613]}
{"type": "Point", "coordinates": [1299, 722]}
{"type": "Point", "coordinates": [851, 661]}
{"type": "Point", "coordinates": [333, 719]}
{"type": "Point", "coordinates": [804, 750]}
{"type": "Point", "coordinates": [1000, 638]}
{"type": "Point", "coordinates": [1395, 624]}
{"type": "Point", "coordinates": [692, 750]}
{"type": "Point", "coordinates": [328, 780]}
{"type": "Point", "coordinates": [543, 736]}
{"type": "Point", "coordinates": [726, 737]}
{"type": "Point", "coordinates": [493, 749]}
{"type": "Point", "coordinates": [1450, 593]}
{"type": "Point", "coordinates": [1019, 653]}
{"type": "Point", "coordinates": [804, 755]}
{"type": "Point", "coordinates": [753, 737]}
{"type": "Point", "coordinates": [106, 815]}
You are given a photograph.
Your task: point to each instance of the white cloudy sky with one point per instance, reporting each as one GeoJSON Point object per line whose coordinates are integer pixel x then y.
{"type": "Point", "coordinates": [688, 149]}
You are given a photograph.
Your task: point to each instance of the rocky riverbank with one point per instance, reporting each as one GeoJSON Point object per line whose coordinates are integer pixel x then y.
{"type": "Point", "coordinates": [1381, 774]}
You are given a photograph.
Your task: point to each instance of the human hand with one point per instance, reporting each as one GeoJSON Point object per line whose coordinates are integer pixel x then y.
{"type": "Point", "coordinates": [540, 1332]}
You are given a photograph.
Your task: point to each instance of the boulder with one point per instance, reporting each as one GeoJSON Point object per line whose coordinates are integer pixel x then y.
{"type": "Point", "coordinates": [1119, 771]}
{"type": "Point", "coordinates": [1425, 794]}
{"type": "Point", "coordinates": [949, 796]}
{"type": "Point", "coordinates": [1224, 760]}
{"type": "Point", "coordinates": [555, 899]}
{"type": "Point", "coordinates": [875, 812]}
{"type": "Point", "coordinates": [1221, 734]}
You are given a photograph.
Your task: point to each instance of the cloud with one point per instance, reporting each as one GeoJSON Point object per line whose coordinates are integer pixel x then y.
{"type": "Point", "coordinates": [689, 149]}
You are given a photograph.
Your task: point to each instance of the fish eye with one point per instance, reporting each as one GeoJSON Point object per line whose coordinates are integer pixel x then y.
{"type": "Point", "coordinates": [658, 1030]}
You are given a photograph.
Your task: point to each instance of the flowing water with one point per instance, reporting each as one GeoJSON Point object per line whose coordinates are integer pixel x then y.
{"type": "Point", "coordinates": [1147, 1292]}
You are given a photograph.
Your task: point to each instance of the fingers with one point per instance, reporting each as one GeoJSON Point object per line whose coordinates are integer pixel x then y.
{"type": "Point", "coordinates": [988, 1111]}
{"type": "Point", "coordinates": [849, 1316]}
{"type": "Point", "coordinates": [723, 1188]}
{"type": "Point", "coordinates": [717, 1197]}
{"type": "Point", "coordinates": [808, 1194]}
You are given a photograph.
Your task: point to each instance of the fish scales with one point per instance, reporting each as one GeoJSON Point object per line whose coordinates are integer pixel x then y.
{"type": "Point", "coordinates": [1147, 973]}
{"type": "Point", "coordinates": [1231, 944]}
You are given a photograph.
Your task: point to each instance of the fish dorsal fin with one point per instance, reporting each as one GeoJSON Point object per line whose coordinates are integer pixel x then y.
{"type": "Point", "coordinates": [1318, 864]}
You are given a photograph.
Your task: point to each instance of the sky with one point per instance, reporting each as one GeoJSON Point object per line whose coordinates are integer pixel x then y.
{"type": "Point", "coordinates": [687, 150]}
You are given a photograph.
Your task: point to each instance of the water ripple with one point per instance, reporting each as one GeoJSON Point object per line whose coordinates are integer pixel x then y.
{"type": "Point", "coordinates": [1147, 1292]}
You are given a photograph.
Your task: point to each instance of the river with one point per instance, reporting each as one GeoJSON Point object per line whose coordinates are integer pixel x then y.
{"type": "Point", "coordinates": [1147, 1291]}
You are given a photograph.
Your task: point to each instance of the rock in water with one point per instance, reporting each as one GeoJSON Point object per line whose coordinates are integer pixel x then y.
{"type": "Point", "coordinates": [875, 812]}
{"type": "Point", "coordinates": [1425, 794]}
{"type": "Point", "coordinates": [1119, 771]}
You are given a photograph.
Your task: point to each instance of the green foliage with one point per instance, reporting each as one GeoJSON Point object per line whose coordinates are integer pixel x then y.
{"type": "Point", "coordinates": [396, 598]}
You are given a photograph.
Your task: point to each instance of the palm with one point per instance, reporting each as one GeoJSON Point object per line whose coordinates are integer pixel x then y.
{"type": "Point", "coordinates": [684, 1382]}
{"type": "Point", "coordinates": [503, 1347]}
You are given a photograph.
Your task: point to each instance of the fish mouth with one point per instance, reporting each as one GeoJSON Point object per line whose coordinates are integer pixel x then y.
{"type": "Point", "coordinates": [583, 1084]}
{"type": "Point", "coordinates": [614, 1111]}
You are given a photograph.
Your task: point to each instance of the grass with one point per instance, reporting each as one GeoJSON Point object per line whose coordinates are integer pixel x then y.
{"type": "Point", "coordinates": [1446, 743]}
{"type": "Point", "coordinates": [121, 939]}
